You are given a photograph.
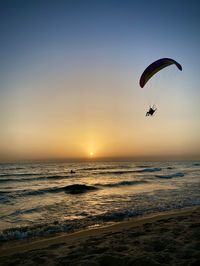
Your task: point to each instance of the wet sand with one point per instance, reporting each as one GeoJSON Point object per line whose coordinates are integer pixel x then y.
{"type": "Point", "coordinates": [171, 238]}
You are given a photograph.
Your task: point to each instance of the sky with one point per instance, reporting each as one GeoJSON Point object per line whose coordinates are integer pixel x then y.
{"type": "Point", "coordinates": [69, 79]}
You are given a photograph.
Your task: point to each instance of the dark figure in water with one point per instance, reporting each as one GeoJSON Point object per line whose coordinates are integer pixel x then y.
{"type": "Point", "coordinates": [151, 110]}
{"type": "Point", "coordinates": [72, 172]}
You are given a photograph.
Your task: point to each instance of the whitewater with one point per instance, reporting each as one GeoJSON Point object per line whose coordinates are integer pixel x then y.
{"type": "Point", "coordinates": [41, 199]}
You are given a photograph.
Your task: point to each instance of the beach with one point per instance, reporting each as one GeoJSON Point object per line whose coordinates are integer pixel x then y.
{"type": "Point", "coordinates": [168, 238]}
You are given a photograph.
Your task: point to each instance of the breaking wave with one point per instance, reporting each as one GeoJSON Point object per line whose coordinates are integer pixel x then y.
{"type": "Point", "coordinates": [68, 226]}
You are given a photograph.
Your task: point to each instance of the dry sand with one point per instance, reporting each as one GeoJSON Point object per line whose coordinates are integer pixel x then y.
{"type": "Point", "coordinates": [171, 238]}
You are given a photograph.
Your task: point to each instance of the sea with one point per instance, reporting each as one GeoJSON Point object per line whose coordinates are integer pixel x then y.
{"type": "Point", "coordinates": [44, 199]}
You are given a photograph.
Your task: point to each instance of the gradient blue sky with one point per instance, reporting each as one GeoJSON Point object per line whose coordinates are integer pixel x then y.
{"type": "Point", "coordinates": [69, 73]}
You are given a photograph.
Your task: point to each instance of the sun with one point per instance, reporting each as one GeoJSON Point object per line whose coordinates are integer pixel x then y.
{"type": "Point", "coordinates": [91, 154]}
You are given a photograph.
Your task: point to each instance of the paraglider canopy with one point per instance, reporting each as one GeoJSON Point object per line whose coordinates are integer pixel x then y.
{"type": "Point", "coordinates": [156, 66]}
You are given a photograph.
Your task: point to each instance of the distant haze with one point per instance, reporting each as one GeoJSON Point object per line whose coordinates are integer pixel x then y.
{"type": "Point", "coordinates": [69, 80]}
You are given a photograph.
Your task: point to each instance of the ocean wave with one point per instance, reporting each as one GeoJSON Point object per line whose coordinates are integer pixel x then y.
{"type": "Point", "coordinates": [179, 174]}
{"type": "Point", "coordinates": [15, 180]}
{"type": "Point", "coordinates": [196, 164]}
{"type": "Point", "coordinates": [121, 172]}
{"type": "Point", "coordinates": [53, 177]}
{"type": "Point", "coordinates": [69, 226]}
{"type": "Point", "coordinates": [149, 170]}
{"type": "Point", "coordinates": [78, 188]}
{"type": "Point", "coordinates": [122, 183]}
{"type": "Point", "coordinates": [70, 189]}
{"type": "Point", "coordinates": [115, 172]}
{"type": "Point", "coordinates": [45, 229]}
{"type": "Point", "coordinates": [4, 168]}
{"type": "Point", "coordinates": [20, 233]}
{"type": "Point", "coordinates": [56, 177]}
{"type": "Point", "coordinates": [18, 174]}
{"type": "Point", "coordinates": [4, 192]}
{"type": "Point", "coordinates": [143, 166]}
{"type": "Point", "coordinates": [105, 168]}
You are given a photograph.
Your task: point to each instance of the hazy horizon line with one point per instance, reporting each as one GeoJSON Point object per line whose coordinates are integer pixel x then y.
{"type": "Point", "coordinates": [106, 159]}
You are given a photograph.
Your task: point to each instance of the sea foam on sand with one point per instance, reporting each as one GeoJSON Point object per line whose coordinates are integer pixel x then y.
{"type": "Point", "coordinates": [171, 238]}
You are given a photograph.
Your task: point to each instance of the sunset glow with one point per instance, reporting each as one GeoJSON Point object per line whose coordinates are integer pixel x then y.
{"type": "Point", "coordinates": [69, 85]}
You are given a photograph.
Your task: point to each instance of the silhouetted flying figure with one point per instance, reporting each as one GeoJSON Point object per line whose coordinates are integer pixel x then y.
{"type": "Point", "coordinates": [151, 110]}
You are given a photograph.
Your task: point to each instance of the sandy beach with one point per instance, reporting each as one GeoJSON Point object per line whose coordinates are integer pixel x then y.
{"type": "Point", "coordinates": [170, 238]}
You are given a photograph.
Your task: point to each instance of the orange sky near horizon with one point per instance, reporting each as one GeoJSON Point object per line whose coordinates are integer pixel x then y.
{"type": "Point", "coordinates": [69, 80]}
{"type": "Point", "coordinates": [103, 114]}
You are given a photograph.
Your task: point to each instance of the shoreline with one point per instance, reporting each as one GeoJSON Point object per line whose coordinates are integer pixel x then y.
{"type": "Point", "coordinates": [64, 242]}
